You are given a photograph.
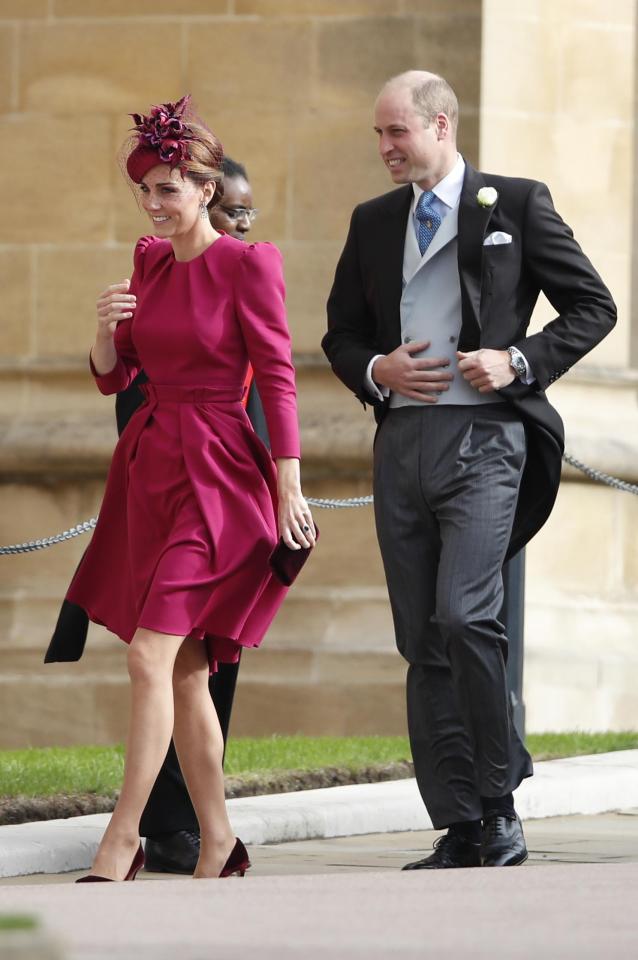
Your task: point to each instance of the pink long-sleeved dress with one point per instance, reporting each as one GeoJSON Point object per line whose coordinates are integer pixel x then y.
{"type": "Point", "coordinates": [188, 519]}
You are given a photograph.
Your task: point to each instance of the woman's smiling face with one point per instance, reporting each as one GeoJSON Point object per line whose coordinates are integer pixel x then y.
{"type": "Point", "coordinates": [171, 201]}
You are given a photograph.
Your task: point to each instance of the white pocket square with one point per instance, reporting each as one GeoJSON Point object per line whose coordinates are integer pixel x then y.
{"type": "Point", "coordinates": [496, 238]}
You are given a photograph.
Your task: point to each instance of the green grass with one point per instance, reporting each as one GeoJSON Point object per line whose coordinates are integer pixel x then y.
{"type": "Point", "coordinates": [551, 746]}
{"type": "Point", "coordinates": [98, 770]}
{"type": "Point", "coordinates": [17, 921]}
{"type": "Point", "coordinates": [69, 770]}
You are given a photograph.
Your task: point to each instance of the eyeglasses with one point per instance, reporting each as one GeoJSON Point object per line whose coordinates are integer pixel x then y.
{"type": "Point", "coordinates": [239, 213]}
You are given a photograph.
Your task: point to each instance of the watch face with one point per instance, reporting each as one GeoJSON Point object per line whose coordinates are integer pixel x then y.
{"type": "Point", "coordinates": [518, 364]}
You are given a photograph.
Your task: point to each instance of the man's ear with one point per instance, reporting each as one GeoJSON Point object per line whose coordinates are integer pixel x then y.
{"type": "Point", "coordinates": [442, 126]}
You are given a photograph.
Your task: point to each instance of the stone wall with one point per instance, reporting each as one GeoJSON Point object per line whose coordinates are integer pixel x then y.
{"type": "Point", "coordinates": [288, 85]}
{"type": "Point", "coordinates": [558, 105]}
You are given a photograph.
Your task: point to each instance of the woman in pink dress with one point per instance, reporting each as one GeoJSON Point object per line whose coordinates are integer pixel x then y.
{"type": "Point", "coordinates": [178, 565]}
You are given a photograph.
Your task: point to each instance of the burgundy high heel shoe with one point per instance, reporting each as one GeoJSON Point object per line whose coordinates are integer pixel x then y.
{"type": "Point", "coordinates": [136, 866]}
{"type": "Point", "coordinates": [237, 862]}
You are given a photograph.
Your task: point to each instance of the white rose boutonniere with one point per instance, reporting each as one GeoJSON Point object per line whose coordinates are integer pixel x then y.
{"type": "Point", "coordinates": [487, 196]}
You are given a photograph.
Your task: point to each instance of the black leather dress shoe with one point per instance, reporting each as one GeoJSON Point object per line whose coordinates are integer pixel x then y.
{"type": "Point", "coordinates": [172, 852]}
{"type": "Point", "coordinates": [450, 851]}
{"type": "Point", "coordinates": [503, 843]}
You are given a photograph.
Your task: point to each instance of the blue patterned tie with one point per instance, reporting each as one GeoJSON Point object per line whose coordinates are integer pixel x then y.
{"type": "Point", "coordinates": [429, 220]}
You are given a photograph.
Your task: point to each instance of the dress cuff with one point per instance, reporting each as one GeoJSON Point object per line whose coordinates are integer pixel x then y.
{"type": "Point", "coordinates": [113, 381]}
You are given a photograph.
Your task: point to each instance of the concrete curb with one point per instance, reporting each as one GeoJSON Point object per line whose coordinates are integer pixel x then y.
{"type": "Point", "coordinates": [578, 785]}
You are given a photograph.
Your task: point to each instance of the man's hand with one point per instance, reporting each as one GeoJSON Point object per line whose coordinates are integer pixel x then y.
{"type": "Point", "coordinates": [486, 370]}
{"type": "Point", "coordinates": [421, 379]}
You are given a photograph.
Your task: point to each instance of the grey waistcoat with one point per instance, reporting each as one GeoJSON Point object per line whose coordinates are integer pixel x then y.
{"type": "Point", "coordinates": [431, 308]}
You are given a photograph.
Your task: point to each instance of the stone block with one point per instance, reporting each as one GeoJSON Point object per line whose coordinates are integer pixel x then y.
{"type": "Point", "coordinates": [352, 618]}
{"type": "Point", "coordinates": [554, 14]}
{"type": "Point", "coordinates": [337, 435]}
{"type": "Point", "coordinates": [32, 511]}
{"type": "Point", "coordinates": [77, 446]}
{"type": "Point", "coordinates": [65, 394]}
{"type": "Point", "coordinates": [577, 551]}
{"type": "Point", "coordinates": [15, 283]}
{"type": "Point", "coordinates": [8, 44]}
{"type": "Point", "coordinates": [573, 680]}
{"type": "Point", "coordinates": [87, 68]}
{"type": "Point", "coordinates": [329, 709]}
{"type": "Point", "coordinates": [347, 555]}
{"type": "Point", "coordinates": [65, 311]}
{"type": "Point", "coordinates": [60, 193]}
{"type": "Point", "coordinates": [355, 58]}
{"type": "Point", "coordinates": [23, 9]}
{"type": "Point", "coordinates": [302, 622]}
{"type": "Point", "coordinates": [309, 269]}
{"type": "Point", "coordinates": [310, 8]}
{"type": "Point", "coordinates": [336, 166]}
{"type": "Point", "coordinates": [444, 8]}
{"type": "Point", "coordinates": [612, 51]}
{"type": "Point", "coordinates": [606, 161]}
{"type": "Point", "coordinates": [139, 8]}
{"type": "Point", "coordinates": [48, 707]}
{"type": "Point", "coordinates": [516, 49]}
{"type": "Point", "coordinates": [629, 527]}
{"type": "Point", "coordinates": [451, 47]}
{"type": "Point", "coordinates": [522, 146]}
{"type": "Point", "coordinates": [363, 621]}
{"type": "Point", "coordinates": [272, 60]}
{"type": "Point", "coordinates": [468, 135]}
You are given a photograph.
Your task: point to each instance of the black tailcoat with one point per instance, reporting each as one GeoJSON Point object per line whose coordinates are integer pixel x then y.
{"type": "Point", "coordinates": [500, 285]}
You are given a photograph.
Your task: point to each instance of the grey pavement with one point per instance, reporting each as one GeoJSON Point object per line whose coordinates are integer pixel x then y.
{"type": "Point", "coordinates": [326, 881]}
{"type": "Point", "coordinates": [577, 785]}
{"type": "Point", "coordinates": [346, 897]}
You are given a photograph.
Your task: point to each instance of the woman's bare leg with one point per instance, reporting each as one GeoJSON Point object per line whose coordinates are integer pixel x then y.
{"type": "Point", "coordinates": [200, 747]}
{"type": "Point", "coordinates": [151, 659]}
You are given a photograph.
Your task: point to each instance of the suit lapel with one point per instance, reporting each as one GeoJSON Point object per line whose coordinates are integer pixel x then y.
{"type": "Point", "coordinates": [473, 222]}
{"type": "Point", "coordinates": [389, 244]}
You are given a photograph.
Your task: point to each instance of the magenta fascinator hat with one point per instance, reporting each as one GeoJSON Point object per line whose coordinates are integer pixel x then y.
{"type": "Point", "coordinates": [162, 137]}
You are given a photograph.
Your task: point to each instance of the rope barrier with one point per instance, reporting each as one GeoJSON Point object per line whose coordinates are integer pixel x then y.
{"type": "Point", "coordinates": [321, 502]}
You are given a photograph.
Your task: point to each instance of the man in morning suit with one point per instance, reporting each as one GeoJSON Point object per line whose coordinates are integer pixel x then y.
{"type": "Point", "coordinates": [427, 322]}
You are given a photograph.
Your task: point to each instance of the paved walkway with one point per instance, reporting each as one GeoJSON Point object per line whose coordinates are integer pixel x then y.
{"type": "Point", "coordinates": [578, 785]}
{"type": "Point", "coordinates": [346, 898]}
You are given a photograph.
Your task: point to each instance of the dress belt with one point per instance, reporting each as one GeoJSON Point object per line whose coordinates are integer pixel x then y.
{"type": "Point", "coordinates": [169, 393]}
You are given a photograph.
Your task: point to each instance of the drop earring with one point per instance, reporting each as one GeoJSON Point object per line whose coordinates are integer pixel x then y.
{"type": "Point", "coordinates": [203, 212]}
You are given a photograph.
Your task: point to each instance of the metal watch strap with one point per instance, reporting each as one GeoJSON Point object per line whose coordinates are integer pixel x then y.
{"type": "Point", "coordinates": [517, 362]}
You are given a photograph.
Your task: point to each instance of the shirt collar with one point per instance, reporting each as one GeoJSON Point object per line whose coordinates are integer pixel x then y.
{"type": "Point", "coordinates": [447, 190]}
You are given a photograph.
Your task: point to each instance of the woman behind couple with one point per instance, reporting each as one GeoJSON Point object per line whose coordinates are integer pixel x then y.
{"type": "Point", "coordinates": [178, 566]}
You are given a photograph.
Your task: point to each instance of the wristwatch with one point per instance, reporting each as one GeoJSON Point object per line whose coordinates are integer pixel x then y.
{"type": "Point", "coordinates": [517, 363]}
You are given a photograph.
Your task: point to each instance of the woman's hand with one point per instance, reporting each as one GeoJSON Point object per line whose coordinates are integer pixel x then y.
{"type": "Point", "coordinates": [295, 520]}
{"type": "Point", "coordinates": [113, 305]}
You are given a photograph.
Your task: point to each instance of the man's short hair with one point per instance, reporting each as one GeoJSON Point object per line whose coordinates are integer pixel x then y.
{"type": "Point", "coordinates": [433, 96]}
{"type": "Point", "coordinates": [232, 168]}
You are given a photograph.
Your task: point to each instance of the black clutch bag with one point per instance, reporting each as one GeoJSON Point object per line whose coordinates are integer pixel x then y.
{"type": "Point", "coordinates": [286, 563]}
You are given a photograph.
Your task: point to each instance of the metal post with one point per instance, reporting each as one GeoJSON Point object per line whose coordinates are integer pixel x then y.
{"type": "Point", "coordinates": [513, 616]}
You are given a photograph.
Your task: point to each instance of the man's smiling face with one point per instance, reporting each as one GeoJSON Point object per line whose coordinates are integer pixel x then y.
{"type": "Point", "coordinates": [409, 147]}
